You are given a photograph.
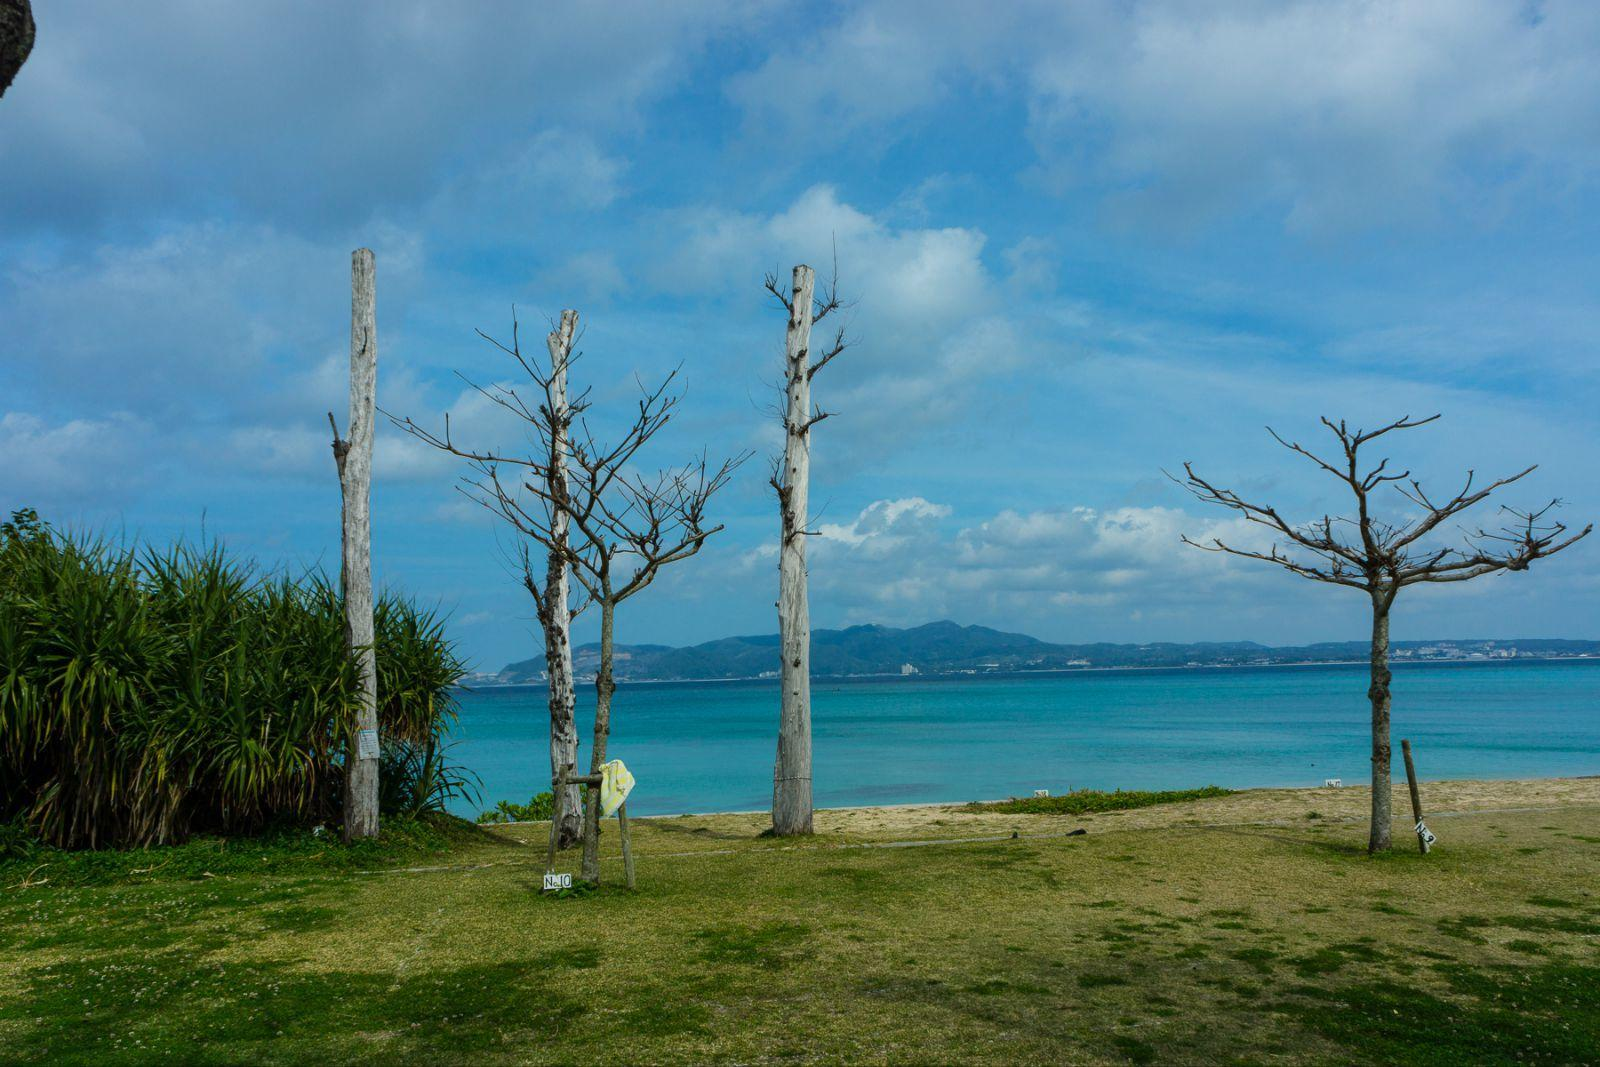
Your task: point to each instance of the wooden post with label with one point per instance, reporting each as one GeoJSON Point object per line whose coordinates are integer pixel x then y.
{"type": "Point", "coordinates": [1423, 836]}
{"type": "Point", "coordinates": [558, 788]}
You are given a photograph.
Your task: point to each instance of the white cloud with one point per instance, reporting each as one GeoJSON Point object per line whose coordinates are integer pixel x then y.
{"type": "Point", "coordinates": [882, 62]}
{"type": "Point", "coordinates": [305, 452]}
{"type": "Point", "coordinates": [1074, 570]}
{"type": "Point", "coordinates": [60, 462]}
{"type": "Point", "coordinates": [513, 191]}
{"type": "Point", "coordinates": [230, 313]}
{"type": "Point", "coordinates": [1331, 114]}
{"type": "Point", "coordinates": [1324, 115]}
{"type": "Point", "coordinates": [883, 526]}
{"type": "Point", "coordinates": [313, 114]}
{"type": "Point", "coordinates": [913, 278]}
{"type": "Point", "coordinates": [925, 315]}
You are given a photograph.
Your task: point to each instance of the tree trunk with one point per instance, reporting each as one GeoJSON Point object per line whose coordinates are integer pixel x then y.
{"type": "Point", "coordinates": [604, 686]}
{"type": "Point", "coordinates": [1378, 694]}
{"type": "Point", "coordinates": [791, 776]}
{"type": "Point", "coordinates": [556, 614]}
{"type": "Point", "coordinates": [355, 571]}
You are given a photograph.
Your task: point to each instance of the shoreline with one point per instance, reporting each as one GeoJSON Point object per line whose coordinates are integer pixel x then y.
{"type": "Point", "coordinates": [1577, 788]}
{"type": "Point", "coordinates": [958, 675]}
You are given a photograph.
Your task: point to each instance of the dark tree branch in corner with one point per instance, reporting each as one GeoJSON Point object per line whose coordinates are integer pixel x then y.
{"type": "Point", "coordinates": [17, 32]}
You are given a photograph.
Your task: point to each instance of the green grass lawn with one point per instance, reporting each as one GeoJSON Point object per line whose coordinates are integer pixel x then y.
{"type": "Point", "coordinates": [1249, 943]}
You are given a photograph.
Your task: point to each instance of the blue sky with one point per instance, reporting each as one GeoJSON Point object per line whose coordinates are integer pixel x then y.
{"type": "Point", "coordinates": [1084, 242]}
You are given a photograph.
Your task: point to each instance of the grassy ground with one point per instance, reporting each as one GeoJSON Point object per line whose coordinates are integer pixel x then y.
{"type": "Point", "coordinates": [1176, 934]}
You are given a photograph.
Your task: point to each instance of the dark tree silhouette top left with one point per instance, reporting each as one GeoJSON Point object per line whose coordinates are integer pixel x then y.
{"type": "Point", "coordinates": [17, 30]}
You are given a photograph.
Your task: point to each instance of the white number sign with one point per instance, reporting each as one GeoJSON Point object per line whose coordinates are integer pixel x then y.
{"type": "Point", "coordinates": [553, 881]}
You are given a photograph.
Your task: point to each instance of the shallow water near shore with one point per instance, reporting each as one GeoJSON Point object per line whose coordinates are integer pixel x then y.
{"type": "Point", "coordinates": [709, 746]}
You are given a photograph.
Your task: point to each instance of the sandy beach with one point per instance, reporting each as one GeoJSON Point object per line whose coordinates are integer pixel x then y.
{"type": "Point", "coordinates": [1440, 800]}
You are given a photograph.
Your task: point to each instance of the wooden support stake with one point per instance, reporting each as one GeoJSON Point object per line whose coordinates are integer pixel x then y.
{"type": "Point", "coordinates": [558, 788]}
{"type": "Point", "coordinates": [1416, 797]}
{"type": "Point", "coordinates": [627, 843]}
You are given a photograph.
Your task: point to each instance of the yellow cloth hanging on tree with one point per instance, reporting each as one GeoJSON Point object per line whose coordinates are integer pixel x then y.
{"type": "Point", "coordinates": [615, 785]}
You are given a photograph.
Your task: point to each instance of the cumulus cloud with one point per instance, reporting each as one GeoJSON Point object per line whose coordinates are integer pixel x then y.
{"type": "Point", "coordinates": [907, 274]}
{"type": "Point", "coordinates": [885, 525]}
{"type": "Point", "coordinates": [925, 317]}
{"type": "Point", "coordinates": [900, 561]}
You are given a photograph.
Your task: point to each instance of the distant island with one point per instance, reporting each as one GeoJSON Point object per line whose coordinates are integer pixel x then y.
{"type": "Point", "coordinates": [948, 648]}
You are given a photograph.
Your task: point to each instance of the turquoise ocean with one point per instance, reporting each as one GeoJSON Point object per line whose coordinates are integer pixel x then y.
{"type": "Point", "coordinates": [709, 746]}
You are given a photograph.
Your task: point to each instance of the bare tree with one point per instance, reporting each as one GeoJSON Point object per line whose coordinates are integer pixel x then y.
{"type": "Point", "coordinates": [1381, 557]}
{"type": "Point", "coordinates": [614, 527]}
{"type": "Point", "coordinates": [791, 478]}
{"type": "Point", "coordinates": [354, 460]}
{"type": "Point", "coordinates": [550, 418]}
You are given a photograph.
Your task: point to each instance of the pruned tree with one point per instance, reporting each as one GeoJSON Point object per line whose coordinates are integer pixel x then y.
{"type": "Point", "coordinates": [621, 527]}
{"type": "Point", "coordinates": [545, 570]}
{"type": "Point", "coordinates": [1380, 557]}
{"type": "Point", "coordinates": [791, 478]}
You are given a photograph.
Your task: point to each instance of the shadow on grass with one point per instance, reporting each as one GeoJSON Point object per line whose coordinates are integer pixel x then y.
{"type": "Point", "coordinates": [1548, 1014]}
{"type": "Point", "coordinates": [156, 1005]}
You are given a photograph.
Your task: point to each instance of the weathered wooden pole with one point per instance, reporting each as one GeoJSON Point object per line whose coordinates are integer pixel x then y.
{"type": "Point", "coordinates": [354, 459]}
{"type": "Point", "coordinates": [791, 776]}
{"type": "Point", "coordinates": [627, 843]}
{"type": "Point", "coordinates": [1416, 797]}
{"type": "Point", "coordinates": [556, 609]}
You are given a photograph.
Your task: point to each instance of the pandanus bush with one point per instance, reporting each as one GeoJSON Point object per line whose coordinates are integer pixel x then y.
{"type": "Point", "coordinates": [148, 695]}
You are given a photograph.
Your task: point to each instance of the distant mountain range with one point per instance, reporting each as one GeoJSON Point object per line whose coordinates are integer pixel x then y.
{"type": "Point", "coordinates": [943, 648]}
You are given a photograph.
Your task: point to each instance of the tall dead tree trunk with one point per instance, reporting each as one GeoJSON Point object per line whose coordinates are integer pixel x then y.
{"type": "Point", "coordinates": [556, 610]}
{"type": "Point", "coordinates": [354, 459]}
{"type": "Point", "coordinates": [791, 776]}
